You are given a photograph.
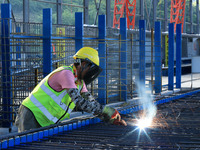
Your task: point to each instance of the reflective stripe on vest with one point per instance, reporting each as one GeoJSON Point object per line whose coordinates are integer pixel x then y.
{"type": "Point", "coordinates": [55, 98]}
{"type": "Point", "coordinates": [45, 107]}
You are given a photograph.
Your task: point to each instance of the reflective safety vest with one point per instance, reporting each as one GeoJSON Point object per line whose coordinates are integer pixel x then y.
{"type": "Point", "coordinates": [47, 105]}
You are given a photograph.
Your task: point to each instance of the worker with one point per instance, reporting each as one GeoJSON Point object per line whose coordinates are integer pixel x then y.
{"type": "Point", "coordinates": [54, 98]}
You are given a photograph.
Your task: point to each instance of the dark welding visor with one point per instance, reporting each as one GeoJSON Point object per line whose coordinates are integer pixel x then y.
{"type": "Point", "coordinates": [92, 73]}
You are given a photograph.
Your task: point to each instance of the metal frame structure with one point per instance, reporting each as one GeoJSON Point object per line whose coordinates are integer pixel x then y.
{"type": "Point", "coordinates": [46, 37]}
{"type": "Point", "coordinates": [177, 12]}
{"type": "Point", "coordinates": [119, 54]}
{"type": "Point", "coordinates": [124, 8]}
{"type": "Point", "coordinates": [52, 136]}
{"type": "Point", "coordinates": [189, 24]}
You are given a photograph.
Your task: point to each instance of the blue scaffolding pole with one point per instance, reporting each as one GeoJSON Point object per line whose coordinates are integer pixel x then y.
{"type": "Point", "coordinates": [171, 58]}
{"type": "Point", "coordinates": [142, 63]}
{"type": "Point", "coordinates": [6, 64]}
{"type": "Point", "coordinates": [47, 33]}
{"type": "Point", "coordinates": [18, 49]}
{"type": "Point", "coordinates": [158, 69]}
{"type": "Point", "coordinates": [123, 58]}
{"type": "Point", "coordinates": [102, 56]}
{"type": "Point", "coordinates": [178, 55]}
{"type": "Point", "coordinates": [78, 30]}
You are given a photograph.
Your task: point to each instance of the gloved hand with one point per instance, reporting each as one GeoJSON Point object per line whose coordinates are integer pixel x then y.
{"type": "Point", "coordinates": [112, 115]}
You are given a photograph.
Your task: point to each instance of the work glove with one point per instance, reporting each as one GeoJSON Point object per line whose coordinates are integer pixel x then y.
{"type": "Point", "coordinates": [112, 116]}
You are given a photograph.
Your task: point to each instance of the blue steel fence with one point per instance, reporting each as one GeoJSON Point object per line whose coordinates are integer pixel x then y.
{"type": "Point", "coordinates": [30, 51]}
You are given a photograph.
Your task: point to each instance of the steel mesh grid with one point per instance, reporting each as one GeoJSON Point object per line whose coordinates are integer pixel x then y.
{"type": "Point", "coordinates": [175, 126]}
{"type": "Point", "coordinates": [90, 31]}
{"type": "Point", "coordinates": [31, 59]}
{"type": "Point", "coordinates": [27, 29]}
{"type": "Point", "coordinates": [63, 31]}
{"type": "Point", "coordinates": [112, 33]}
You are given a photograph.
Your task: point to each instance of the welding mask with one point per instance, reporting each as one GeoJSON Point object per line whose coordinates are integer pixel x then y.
{"type": "Point", "coordinates": [90, 56]}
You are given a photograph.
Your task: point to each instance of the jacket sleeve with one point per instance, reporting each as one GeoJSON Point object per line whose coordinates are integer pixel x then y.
{"type": "Point", "coordinates": [86, 102]}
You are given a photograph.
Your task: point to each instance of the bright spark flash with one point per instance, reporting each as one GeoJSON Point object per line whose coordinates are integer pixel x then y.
{"type": "Point", "coordinates": [144, 123]}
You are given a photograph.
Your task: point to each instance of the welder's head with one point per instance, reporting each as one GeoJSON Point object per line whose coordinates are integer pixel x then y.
{"type": "Point", "coordinates": [88, 59]}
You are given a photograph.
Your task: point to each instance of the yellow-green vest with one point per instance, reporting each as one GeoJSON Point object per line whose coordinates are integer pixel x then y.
{"type": "Point", "coordinates": [47, 105]}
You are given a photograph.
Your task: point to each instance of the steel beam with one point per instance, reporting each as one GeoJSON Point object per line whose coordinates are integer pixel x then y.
{"type": "Point", "coordinates": [108, 14]}
{"type": "Point", "coordinates": [141, 9]}
{"type": "Point", "coordinates": [171, 57]}
{"type": "Point", "coordinates": [191, 17]}
{"type": "Point", "coordinates": [197, 11]}
{"type": "Point", "coordinates": [165, 15]}
{"type": "Point", "coordinates": [102, 56]}
{"type": "Point", "coordinates": [59, 11]}
{"type": "Point", "coordinates": [158, 67]}
{"type": "Point", "coordinates": [6, 29]}
{"type": "Point", "coordinates": [47, 48]}
{"type": "Point", "coordinates": [178, 55]}
{"type": "Point", "coordinates": [142, 62]}
{"type": "Point", "coordinates": [154, 11]}
{"type": "Point", "coordinates": [123, 58]}
{"type": "Point", "coordinates": [86, 11]}
{"type": "Point", "coordinates": [78, 30]}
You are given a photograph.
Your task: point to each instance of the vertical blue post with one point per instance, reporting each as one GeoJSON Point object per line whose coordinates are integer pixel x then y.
{"type": "Point", "coordinates": [171, 58]}
{"type": "Point", "coordinates": [178, 55]}
{"type": "Point", "coordinates": [102, 56]}
{"type": "Point", "coordinates": [78, 30]}
{"type": "Point", "coordinates": [6, 64]}
{"type": "Point", "coordinates": [47, 48]}
{"type": "Point", "coordinates": [142, 63]}
{"type": "Point", "coordinates": [18, 49]}
{"type": "Point", "coordinates": [123, 58]}
{"type": "Point", "coordinates": [158, 69]}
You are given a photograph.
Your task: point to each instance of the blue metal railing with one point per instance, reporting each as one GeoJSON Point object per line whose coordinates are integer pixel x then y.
{"type": "Point", "coordinates": [48, 62]}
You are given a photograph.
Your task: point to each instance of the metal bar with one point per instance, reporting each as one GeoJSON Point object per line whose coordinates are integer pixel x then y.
{"type": "Point", "coordinates": [108, 14]}
{"type": "Point", "coordinates": [175, 124]}
{"type": "Point", "coordinates": [178, 55]}
{"type": "Point", "coordinates": [6, 59]}
{"type": "Point", "coordinates": [102, 56]}
{"type": "Point", "coordinates": [141, 9]}
{"type": "Point", "coordinates": [25, 12]}
{"type": "Point", "coordinates": [165, 15]}
{"type": "Point", "coordinates": [123, 58]}
{"type": "Point", "coordinates": [78, 30]}
{"type": "Point", "coordinates": [197, 11]}
{"type": "Point", "coordinates": [47, 48]}
{"type": "Point", "coordinates": [158, 66]}
{"type": "Point", "coordinates": [132, 84]}
{"type": "Point", "coordinates": [142, 62]}
{"type": "Point", "coordinates": [154, 11]}
{"type": "Point", "coordinates": [152, 46]}
{"type": "Point", "coordinates": [59, 11]}
{"type": "Point", "coordinates": [119, 83]}
{"type": "Point", "coordinates": [86, 11]}
{"type": "Point", "coordinates": [97, 8]}
{"type": "Point", "coordinates": [36, 77]}
{"type": "Point", "coordinates": [56, 3]}
{"type": "Point", "coordinates": [171, 56]}
{"type": "Point", "coordinates": [107, 74]}
{"type": "Point", "coordinates": [191, 16]}
{"type": "Point", "coordinates": [18, 49]}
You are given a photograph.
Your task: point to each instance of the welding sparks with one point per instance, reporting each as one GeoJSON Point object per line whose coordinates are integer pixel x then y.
{"type": "Point", "coordinates": [149, 109]}
{"type": "Point", "coordinates": [144, 123]}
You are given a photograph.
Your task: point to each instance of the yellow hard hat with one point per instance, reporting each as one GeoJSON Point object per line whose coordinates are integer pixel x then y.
{"type": "Point", "coordinates": [88, 54]}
